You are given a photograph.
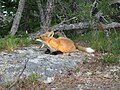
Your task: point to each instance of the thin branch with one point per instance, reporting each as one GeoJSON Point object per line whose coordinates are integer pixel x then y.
{"type": "Point", "coordinates": [97, 13]}
{"type": "Point", "coordinates": [53, 27]}
{"type": "Point", "coordinates": [67, 20]}
{"type": "Point", "coordinates": [20, 74]}
{"type": "Point", "coordinates": [61, 33]}
{"type": "Point", "coordinates": [94, 9]}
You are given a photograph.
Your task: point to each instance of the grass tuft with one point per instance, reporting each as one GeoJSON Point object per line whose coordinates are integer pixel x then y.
{"type": "Point", "coordinates": [110, 58]}
{"type": "Point", "coordinates": [33, 77]}
{"type": "Point", "coordinates": [10, 43]}
{"type": "Point", "coordinates": [101, 43]}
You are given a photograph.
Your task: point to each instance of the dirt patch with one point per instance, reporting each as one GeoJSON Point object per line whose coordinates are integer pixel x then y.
{"type": "Point", "coordinates": [92, 75]}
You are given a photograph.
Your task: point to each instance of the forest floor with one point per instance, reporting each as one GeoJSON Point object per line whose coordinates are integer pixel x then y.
{"type": "Point", "coordinates": [89, 74]}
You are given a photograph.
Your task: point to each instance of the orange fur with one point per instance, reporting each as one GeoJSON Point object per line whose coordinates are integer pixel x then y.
{"type": "Point", "coordinates": [62, 44]}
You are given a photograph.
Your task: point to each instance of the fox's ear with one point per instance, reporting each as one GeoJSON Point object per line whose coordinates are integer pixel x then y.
{"type": "Point", "coordinates": [51, 34]}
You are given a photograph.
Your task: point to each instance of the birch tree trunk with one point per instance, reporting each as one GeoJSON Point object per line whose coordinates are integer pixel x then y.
{"type": "Point", "coordinates": [0, 7]}
{"type": "Point", "coordinates": [17, 18]}
{"type": "Point", "coordinates": [0, 11]}
{"type": "Point", "coordinates": [1, 14]}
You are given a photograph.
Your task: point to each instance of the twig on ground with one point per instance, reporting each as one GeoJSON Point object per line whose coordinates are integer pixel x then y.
{"type": "Point", "coordinates": [18, 77]}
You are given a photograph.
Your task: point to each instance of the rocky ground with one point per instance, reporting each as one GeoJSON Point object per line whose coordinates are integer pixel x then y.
{"type": "Point", "coordinates": [77, 71]}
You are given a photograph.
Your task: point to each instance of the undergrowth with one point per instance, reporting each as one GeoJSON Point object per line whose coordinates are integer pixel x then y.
{"type": "Point", "coordinates": [95, 39]}
{"type": "Point", "coordinates": [10, 43]}
{"type": "Point", "coordinates": [103, 43]}
{"type": "Point", "coordinates": [32, 79]}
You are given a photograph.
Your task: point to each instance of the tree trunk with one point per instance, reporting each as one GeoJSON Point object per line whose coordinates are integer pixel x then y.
{"type": "Point", "coordinates": [1, 15]}
{"type": "Point", "coordinates": [48, 13]}
{"type": "Point", "coordinates": [2, 18]}
{"type": "Point", "coordinates": [0, 7]}
{"type": "Point", "coordinates": [45, 14]}
{"type": "Point", "coordinates": [17, 17]}
{"type": "Point", "coordinates": [41, 13]}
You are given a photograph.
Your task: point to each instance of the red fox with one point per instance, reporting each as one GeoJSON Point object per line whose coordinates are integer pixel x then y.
{"type": "Point", "coordinates": [63, 44]}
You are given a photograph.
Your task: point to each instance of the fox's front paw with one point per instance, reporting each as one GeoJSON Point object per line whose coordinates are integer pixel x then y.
{"type": "Point", "coordinates": [56, 53]}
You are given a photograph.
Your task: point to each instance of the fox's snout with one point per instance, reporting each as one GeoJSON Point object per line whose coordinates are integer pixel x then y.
{"type": "Point", "coordinates": [37, 37]}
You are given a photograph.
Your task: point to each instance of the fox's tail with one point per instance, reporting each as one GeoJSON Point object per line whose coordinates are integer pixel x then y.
{"type": "Point", "coordinates": [85, 49]}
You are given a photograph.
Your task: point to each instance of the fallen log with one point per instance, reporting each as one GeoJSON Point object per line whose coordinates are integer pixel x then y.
{"type": "Point", "coordinates": [112, 25]}
{"type": "Point", "coordinates": [70, 26]}
{"type": "Point", "coordinates": [81, 26]}
{"type": "Point", "coordinates": [78, 26]}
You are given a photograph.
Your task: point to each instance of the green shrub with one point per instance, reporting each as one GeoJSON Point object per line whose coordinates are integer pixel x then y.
{"type": "Point", "coordinates": [21, 34]}
{"type": "Point", "coordinates": [101, 43]}
{"type": "Point", "coordinates": [10, 43]}
{"type": "Point", "coordinates": [110, 58]}
{"type": "Point", "coordinates": [116, 46]}
{"type": "Point", "coordinates": [1, 44]}
{"type": "Point", "coordinates": [23, 41]}
{"type": "Point", "coordinates": [33, 77]}
{"type": "Point", "coordinates": [95, 39]}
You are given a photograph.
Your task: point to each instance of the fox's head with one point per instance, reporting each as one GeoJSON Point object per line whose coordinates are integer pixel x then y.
{"type": "Point", "coordinates": [44, 36]}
